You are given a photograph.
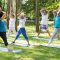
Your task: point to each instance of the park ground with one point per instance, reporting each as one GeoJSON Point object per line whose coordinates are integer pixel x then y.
{"type": "Point", "coordinates": [35, 52]}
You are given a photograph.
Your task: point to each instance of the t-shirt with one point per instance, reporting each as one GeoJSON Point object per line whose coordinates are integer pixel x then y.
{"type": "Point", "coordinates": [57, 22]}
{"type": "Point", "coordinates": [12, 22]}
{"type": "Point", "coordinates": [45, 19]}
{"type": "Point", "coordinates": [2, 26]}
{"type": "Point", "coordinates": [22, 23]}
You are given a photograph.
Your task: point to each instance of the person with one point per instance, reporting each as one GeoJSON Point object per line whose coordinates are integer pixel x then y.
{"type": "Point", "coordinates": [22, 20]}
{"type": "Point", "coordinates": [57, 27]}
{"type": "Point", "coordinates": [12, 25]}
{"type": "Point", "coordinates": [3, 28]}
{"type": "Point", "coordinates": [44, 21]}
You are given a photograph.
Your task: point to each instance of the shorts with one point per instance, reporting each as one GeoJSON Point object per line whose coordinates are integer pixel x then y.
{"type": "Point", "coordinates": [45, 27]}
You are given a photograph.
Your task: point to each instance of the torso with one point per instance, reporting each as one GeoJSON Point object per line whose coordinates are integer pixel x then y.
{"type": "Point", "coordinates": [12, 22]}
{"type": "Point", "coordinates": [44, 20]}
{"type": "Point", "coordinates": [22, 23]}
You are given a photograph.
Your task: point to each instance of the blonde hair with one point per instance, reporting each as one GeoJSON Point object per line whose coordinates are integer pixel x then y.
{"type": "Point", "coordinates": [22, 15]}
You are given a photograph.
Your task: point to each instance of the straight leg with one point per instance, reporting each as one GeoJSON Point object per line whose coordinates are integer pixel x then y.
{"type": "Point", "coordinates": [3, 36]}
{"type": "Point", "coordinates": [18, 33]}
{"type": "Point", "coordinates": [9, 31]}
{"type": "Point", "coordinates": [53, 36]}
{"type": "Point", "coordinates": [14, 31]}
{"type": "Point", "coordinates": [25, 35]}
{"type": "Point", "coordinates": [48, 33]}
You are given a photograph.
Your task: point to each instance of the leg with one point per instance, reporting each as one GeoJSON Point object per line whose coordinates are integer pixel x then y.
{"type": "Point", "coordinates": [19, 32]}
{"type": "Point", "coordinates": [14, 31]}
{"type": "Point", "coordinates": [53, 36]}
{"type": "Point", "coordinates": [3, 36]}
{"type": "Point", "coordinates": [58, 36]}
{"type": "Point", "coordinates": [48, 33]}
{"type": "Point", "coordinates": [39, 33]}
{"type": "Point", "coordinates": [9, 31]}
{"type": "Point", "coordinates": [25, 35]}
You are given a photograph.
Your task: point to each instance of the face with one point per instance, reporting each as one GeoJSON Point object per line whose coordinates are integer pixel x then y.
{"type": "Point", "coordinates": [0, 9]}
{"type": "Point", "coordinates": [45, 12]}
{"type": "Point", "coordinates": [11, 16]}
{"type": "Point", "coordinates": [22, 17]}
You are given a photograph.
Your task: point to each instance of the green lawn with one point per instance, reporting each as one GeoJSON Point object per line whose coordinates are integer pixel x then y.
{"type": "Point", "coordinates": [32, 53]}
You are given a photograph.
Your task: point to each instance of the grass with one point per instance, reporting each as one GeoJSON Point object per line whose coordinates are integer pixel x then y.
{"type": "Point", "coordinates": [32, 53]}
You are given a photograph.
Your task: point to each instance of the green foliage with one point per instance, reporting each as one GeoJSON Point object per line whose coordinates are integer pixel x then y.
{"type": "Point", "coordinates": [29, 6]}
{"type": "Point", "coordinates": [0, 2]}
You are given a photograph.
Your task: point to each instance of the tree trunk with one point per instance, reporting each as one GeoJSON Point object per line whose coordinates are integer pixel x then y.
{"type": "Point", "coordinates": [18, 9]}
{"type": "Point", "coordinates": [8, 12]}
{"type": "Point", "coordinates": [37, 16]}
{"type": "Point", "coordinates": [16, 15]}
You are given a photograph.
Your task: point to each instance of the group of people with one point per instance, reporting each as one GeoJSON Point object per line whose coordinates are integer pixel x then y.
{"type": "Point", "coordinates": [12, 20]}
{"type": "Point", "coordinates": [22, 20]}
{"type": "Point", "coordinates": [44, 23]}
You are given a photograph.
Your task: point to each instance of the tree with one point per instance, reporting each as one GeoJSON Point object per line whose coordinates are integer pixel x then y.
{"type": "Point", "coordinates": [37, 16]}
{"type": "Point", "coordinates": [18, 9]}
{"type": "Point", "coordinates": [8, 12]}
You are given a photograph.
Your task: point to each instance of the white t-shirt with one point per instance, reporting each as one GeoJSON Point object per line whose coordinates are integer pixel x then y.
{"type": "Point", "coordinates": [45, 19]}
{"type": "Point", "coordinates": [22, 23]}
{"type": "Point", "coordinates": [12, 22]}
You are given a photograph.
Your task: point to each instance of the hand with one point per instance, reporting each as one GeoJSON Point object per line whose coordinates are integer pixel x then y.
{"type": "Point", "coordinates": [4, 16]}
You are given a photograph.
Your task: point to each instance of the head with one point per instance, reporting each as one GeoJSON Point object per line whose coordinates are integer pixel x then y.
{"type": "Point", "coordinates": [22, 15]}
{"type": "Point", "coordinates": [44, 11]}
{"type": "Point", "coordinates": [58, 8]}
{"type": "Point", "coordinates": [55, 12]}
{"type": "Point", "coordinates": [12, 16]}
{"type": "Point", "coordinates": [58, 13]}
{"type": "Point", "coordinates": [0, 8]}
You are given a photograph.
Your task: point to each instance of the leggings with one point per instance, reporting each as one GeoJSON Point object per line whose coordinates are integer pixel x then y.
{"type": "Point", "coordinates": [23, 31]}
{"type": "Point", "coordinates": [3, 36]}
{"type": "Point", "coordinates": [56, 32]}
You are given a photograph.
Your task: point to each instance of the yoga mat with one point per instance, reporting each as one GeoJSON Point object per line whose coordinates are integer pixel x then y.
{"type": "Point", "coordinates": [6, 50]}
{"type": "Point", "coordinates": [52, 46]}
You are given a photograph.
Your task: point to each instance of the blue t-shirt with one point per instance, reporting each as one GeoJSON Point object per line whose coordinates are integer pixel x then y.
{"type": "Point", "coordinates": [2, 26]}
{"type": "Point", "coordinates": [57, 22]}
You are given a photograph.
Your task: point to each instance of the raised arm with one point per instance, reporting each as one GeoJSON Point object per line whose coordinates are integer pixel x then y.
{"type": "Point", "coordinates": [4, 16]}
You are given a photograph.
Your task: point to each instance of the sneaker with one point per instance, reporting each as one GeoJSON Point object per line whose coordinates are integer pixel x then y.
{"type": "Point", "coordinates": [28, 45]}
{"type": "Point", "coordinates": [13, 42]}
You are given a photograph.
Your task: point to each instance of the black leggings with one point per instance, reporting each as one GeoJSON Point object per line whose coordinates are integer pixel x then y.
{"type": "Point", "coordinates": [3, 36]}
